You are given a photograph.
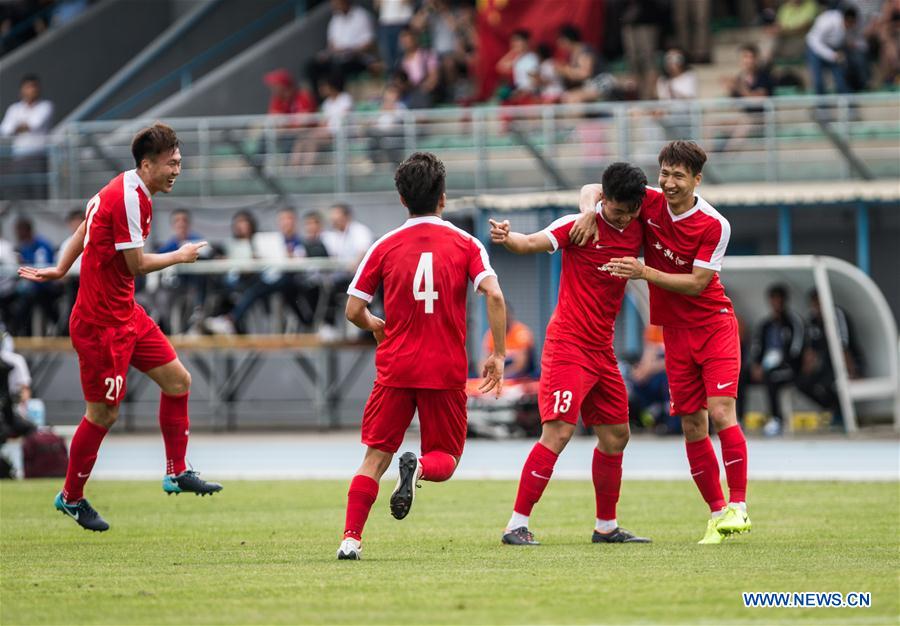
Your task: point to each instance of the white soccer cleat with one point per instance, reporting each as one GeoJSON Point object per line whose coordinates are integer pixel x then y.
{"type": "Point", "coordinates": [350, 550]}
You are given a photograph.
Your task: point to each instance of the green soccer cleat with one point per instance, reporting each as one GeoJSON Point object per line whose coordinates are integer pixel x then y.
{"type": "Point", "coordinates": [712, 536]}
{"type": "Point", "coordinates": [734, 521]}
{"type": "Point", "coordinates": [189, 481]}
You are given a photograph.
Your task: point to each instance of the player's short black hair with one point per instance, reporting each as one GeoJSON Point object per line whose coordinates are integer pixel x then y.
{"type": "Point", "coordinates": [625, 183]}
{"type": "Point", "coordinates": [421, 181]}
{"type": "Point", "coordinates": [30, 78]}
{"type": "Point", "coordinates": [570, 32]}
{"type": "Point", "coordinates": [686, 153]}
{"type": "Point", "coordinates": [779, 290]}
{"type": "Point", "coordinates": [152, 141]}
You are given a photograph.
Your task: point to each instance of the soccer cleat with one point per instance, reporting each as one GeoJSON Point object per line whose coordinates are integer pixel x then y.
{"type": "Point", "coordinates": [82, 512]}
{"type": "Point", "coordinates": [734, 521]}
{"type": "Point", "coordinates": [520, 536]}
{"type": "Point", "coordinates": [712, 536]}
{"type": "Point", "coordinates": [619, 535]}
{"type": "Point", "coordinates": [350, 550]}
{"type": "Point", "coordinates": [189, 481]}
{"type": "Point", "coordinates": [405, 491]}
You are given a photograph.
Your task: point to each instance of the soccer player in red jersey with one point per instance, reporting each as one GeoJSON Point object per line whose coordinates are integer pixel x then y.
{"type": "Point", "coordinates": [424, 268]}
{"type": "Point", "coordinates": [684, 242]}
{"type": "Point", "coordinates": [110, 331]}
{"type": "Point", "coordinates": [579, 371]}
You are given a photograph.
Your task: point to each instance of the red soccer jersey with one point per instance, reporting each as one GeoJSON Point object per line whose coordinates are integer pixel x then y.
{"type": "Point", "coordinates": [118, 218]}
{"type": "Point", "coordinates": [424, 267]}
{"type": "Point", "coordinates": [675, 244]}
{"type": "Point", "coordinates": [589, 296]}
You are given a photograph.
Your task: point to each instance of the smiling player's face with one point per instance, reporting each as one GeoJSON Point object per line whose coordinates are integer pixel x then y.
{"type": "Point", "coordinates": [162, 170]}
{"type": "Point", "coordinates": [677, 183]}
{"type": "Point", "coordinates": [617, 213]}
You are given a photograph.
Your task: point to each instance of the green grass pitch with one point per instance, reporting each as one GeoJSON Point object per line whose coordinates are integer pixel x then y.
{"type": "Point", "coordinates": [264, 553]}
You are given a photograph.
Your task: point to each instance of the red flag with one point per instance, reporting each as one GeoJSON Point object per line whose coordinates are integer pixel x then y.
{"type": "Point", "coordinates": [497, 19]}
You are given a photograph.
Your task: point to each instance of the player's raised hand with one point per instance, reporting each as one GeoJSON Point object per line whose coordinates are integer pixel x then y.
{"type": "Point", "coordinates": [493, 375]}
{"type": "Point", "coordinates": [626, 267]}
{"type": "Point", "coordinates": [42, 275]}
{"type": "Point", "coordinates": [499, 231]}
{"type": "Point", "coordinates": [190, 251]}
{"type": "Point", "coordinates": [584, 229]}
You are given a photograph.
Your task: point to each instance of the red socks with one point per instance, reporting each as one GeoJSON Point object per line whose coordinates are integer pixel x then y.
{"type": "Point", "coordinates": [607, 474]}
{"type": "Point", "coordinates": [437, 466]}
{"type": "Point", "coordinates": [82, 455]}
{"type": "Point", "coordinates": [174, 424]}
{"type": "Point", "coordinates": [360, 498]}
{"type": "Point", "coordinates": [535, 475]}
{"type": "Point", "coordinates": [734, 456]}
{"type": "Point", "coordinates": [705, 471]}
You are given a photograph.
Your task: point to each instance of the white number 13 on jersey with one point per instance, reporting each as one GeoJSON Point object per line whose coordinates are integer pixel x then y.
{"type": "Point", "coordinates": [425, 277]}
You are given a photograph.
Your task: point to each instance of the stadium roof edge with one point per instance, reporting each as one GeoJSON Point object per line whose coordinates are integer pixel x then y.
{"type": "Point", "coordinates": [749, 194]}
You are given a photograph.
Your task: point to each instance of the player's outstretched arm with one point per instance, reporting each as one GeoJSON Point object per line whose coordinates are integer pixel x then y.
{"type": "Point", "coordinates": [519, 243]}
{"type": "Point", "coordinates": [496, 314]}
{"type": "Point", "coordinates": [691, 284]}
{"type": "Point", "coordinates": [72, 251]}
{"type": "Point", "coordinates": [585, 227]}
{"type": "Point", "coordinates": [357, 311]}
{"type": "Point", "coordinates": [140, 263]}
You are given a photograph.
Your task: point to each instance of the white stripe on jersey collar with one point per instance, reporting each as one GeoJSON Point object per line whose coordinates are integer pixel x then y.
{"type": "Point", "coordinates": [424, 219]}
{"type": "Point", "coordinates": [140, 182]}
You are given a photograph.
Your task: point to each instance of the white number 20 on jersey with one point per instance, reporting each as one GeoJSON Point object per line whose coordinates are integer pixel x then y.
{"type": "Point", "coordinates": [425, 277]}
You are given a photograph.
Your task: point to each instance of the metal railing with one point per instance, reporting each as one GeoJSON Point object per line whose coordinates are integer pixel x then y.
{"type": "Point", "coordinates": [782, 139]}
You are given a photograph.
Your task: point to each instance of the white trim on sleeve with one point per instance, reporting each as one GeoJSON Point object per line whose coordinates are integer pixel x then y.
{"type": "Point", "coordinates": [129, 245]}
{"type": "Point", "coordinates": [481, 277]}
{"type": "Point", "coordinates": [716, 267]}
{"type": "Point", "coordinates": [362, 295]}
{"type": "Point", "coordinates": [715, 260]}
{"type": "Point", "coordinates": [553, 241]}
{"type": "Point", "coordinates": [131, 181]}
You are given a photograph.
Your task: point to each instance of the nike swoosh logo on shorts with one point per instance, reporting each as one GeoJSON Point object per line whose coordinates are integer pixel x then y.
{"type": "Point", "coordinates": [536, 475]}
{"type": "Point", "coordinates": [697, 473]}
{"type": "Point", "coordinates": [727, 463]}
{"type": "Point", "coordinates": [720, 386]}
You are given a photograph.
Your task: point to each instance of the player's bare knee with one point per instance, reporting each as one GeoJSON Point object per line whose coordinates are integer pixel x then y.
{"type": "Point", "coordinates": [722, 414]}
{"type": "Point", "coordinates": [103, 415]}
{"type": "Point", "coordinates": [556, 434]}
{"type": "Point", "coordinates": [694, 427]}
{"type": "Point", "coordinates": [179, 384]}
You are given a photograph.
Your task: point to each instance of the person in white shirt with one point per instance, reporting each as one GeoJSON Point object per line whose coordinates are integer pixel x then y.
{"type": "Point", "coordinates": [393, 16]}
{"type": "Point", "coordinates": [678, 81]}
{"type": "Point", "coordinates": [827, 46]}
{"type": "Point", "coordinates": [336, 104]}
{"type": "Point", "coordinates": [351, 44]}
{"type": "Point", "coordinates": [520, 63]}
{"type": "Point", "coordinates": [27, 124]}
{"type": "Point", "coordinates": [347, 241]}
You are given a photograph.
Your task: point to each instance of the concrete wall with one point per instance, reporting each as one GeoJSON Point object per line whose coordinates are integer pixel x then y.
{"type": "Point", "coordinates": [77, 58]}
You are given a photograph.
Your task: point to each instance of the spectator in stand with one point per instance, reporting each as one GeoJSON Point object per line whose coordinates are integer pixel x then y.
{"type": "Point", "coordinates": [181, 294]}
{"type": "Point", "coordinates": [885, 32]}
{"type": "Point", "coordinates": [34, 251]}
{"type": "Point", "coordinates": [269, 282]}
{"type": "Point", "coordinates": [679, 81]}
{"type": "Point", "coordinates": [827, 48]}
{"type": "Point", "coordinates": [351, 42]}
{"type": "Point", "coordinates": [785, 38]}
{"type": "Point", "coordinates": [422, 68]}
{"type": "Point", "coordinates": [816, 377]}
{"type": "Point", "coordinates": [641, 21]}
{"type": "Point", "coordinates": [70, 281]}
{"type": "Point", "coordinates": [752, 81]}
{"type": "Point", "coordinates": [229, 287]}
{"type": "Point", "coordinates": [648, 386]}
{"type": "Point", "coordinates": [692, 19]}
{"type": "Point", "coordinates": [27, 123]}
{"type": "Point", "coordinates": [310, 285]}
{"type": "Point", "coordinates": [579, 66]}
{"type": "Point", "coordinates": [775, 353]}
{"type": "Point", "coordinates": [519, 347]}
{"type": "Point", "coordinates": [393, 16]}
{"type": "Point", "coordinates": [521, 65]}
{"type": "Point", "coordinates": [386, 133]}
{"type": "Point", "coordinates": [347, 241]}
{"type": "Point", "coordinates": [9, 263]}
{"type": "Point", "coordinates": [549, 82]}
{"type": "Point", "coordinates": [336, 103]}
{"type": "Point", "coordinates": [286, 97]}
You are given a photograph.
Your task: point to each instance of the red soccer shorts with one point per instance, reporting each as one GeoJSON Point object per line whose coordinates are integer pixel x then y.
{"type": "Point", "coordinates": [574, 379]}
{"type": "Point", "coordinates": [701, 362]}
{"type": "Point", "coordinates": [105, 352]}
{"type": "Point", "coordinates": [442, 418]}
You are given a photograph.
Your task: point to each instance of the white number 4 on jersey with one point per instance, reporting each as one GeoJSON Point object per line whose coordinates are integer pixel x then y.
{"type": "Point", "coordinates": [425, 274]}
